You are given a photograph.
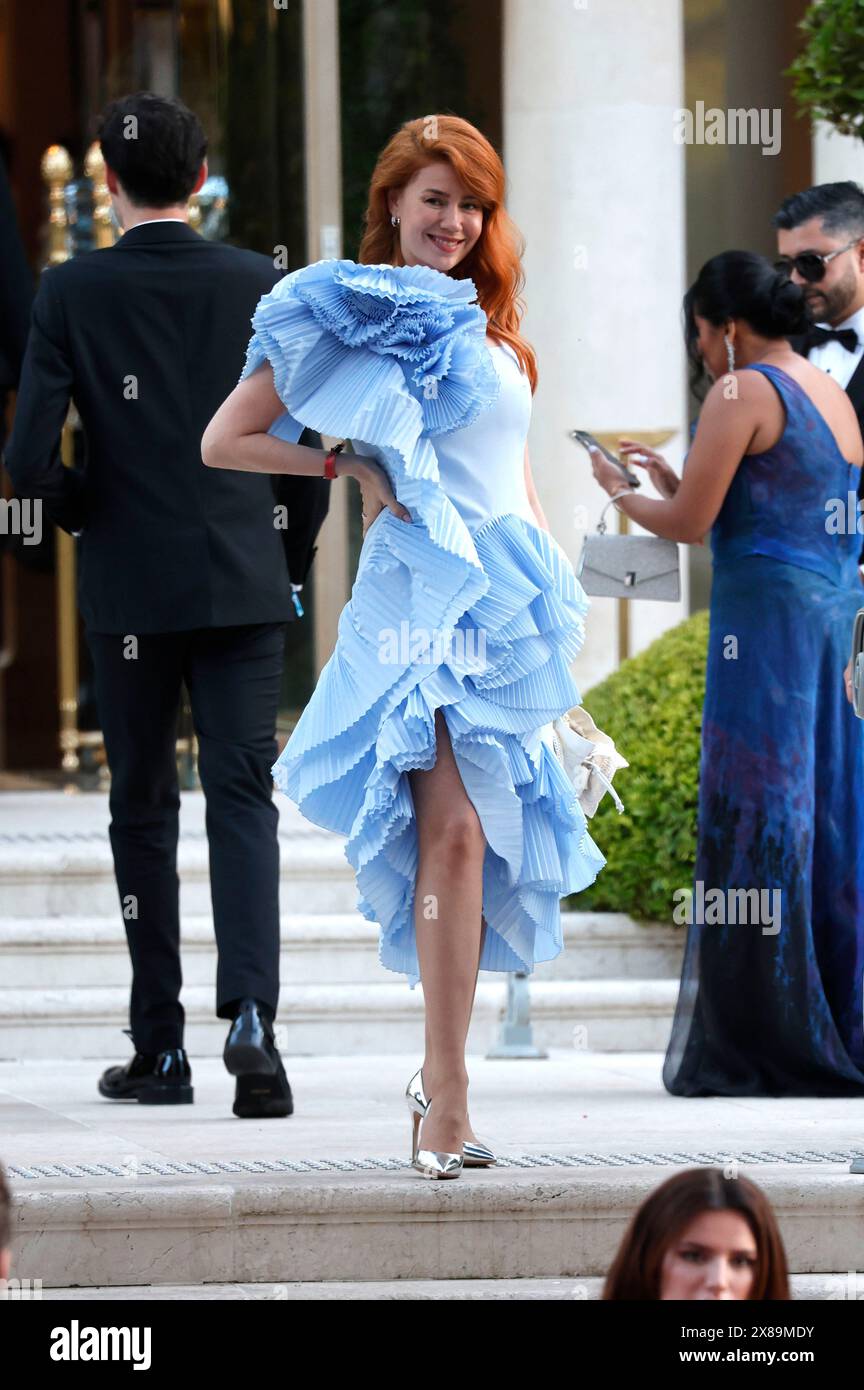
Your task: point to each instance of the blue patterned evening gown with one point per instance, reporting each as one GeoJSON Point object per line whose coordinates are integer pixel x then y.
{"type": "Point", "coordinates": [781, 797]}
{"type": "Point", "coordinates": [471, 608]}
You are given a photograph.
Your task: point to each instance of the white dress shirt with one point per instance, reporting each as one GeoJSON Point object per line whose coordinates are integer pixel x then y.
{"type": "Point", "coordinates": [834, 358]}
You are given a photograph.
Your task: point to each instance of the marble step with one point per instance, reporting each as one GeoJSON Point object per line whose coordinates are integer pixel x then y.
{"type": "Point", "coordinates": [59, 875]}
{"type": "Point", "coordinates": [805, 1287]}
{"type": "Point", "coordinates": [560, 1224]}
{"type": "Point", "coordinates": [337, 1019]}
{"type": "Point", "coordinates": [337, 948]}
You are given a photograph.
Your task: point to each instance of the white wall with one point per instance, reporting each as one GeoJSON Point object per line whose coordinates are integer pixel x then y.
{"type": "Point", "coordinates": [836, 157]}
{"type": "Point", "coordinates": [596, 185]}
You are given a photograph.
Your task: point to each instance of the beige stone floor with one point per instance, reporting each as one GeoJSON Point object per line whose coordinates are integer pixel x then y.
{"type": "Point", "coordinates": [570, 1103]}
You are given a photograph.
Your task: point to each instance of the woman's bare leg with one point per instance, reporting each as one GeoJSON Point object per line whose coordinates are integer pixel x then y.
{"type": "Point", "coordinates": [448, 905]}
{"type": "Point", "coordinates": [469, 1130]}
{"type": "Point", "coordinates": [473, 996]}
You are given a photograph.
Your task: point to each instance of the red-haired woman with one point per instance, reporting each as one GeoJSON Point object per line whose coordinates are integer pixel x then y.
{"type": "Point", "coordinates": [701, 1235]}
{"type": "Point", "coordinates": [427, 741]}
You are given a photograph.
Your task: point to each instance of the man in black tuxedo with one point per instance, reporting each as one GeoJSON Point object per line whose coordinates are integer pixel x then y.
{"type": "Point", "coordinates": [820, 238]}
{"type": "Point", "coordinates": [185, 575]}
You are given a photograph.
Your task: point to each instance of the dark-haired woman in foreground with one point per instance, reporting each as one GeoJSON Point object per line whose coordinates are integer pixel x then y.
{"type": "Point", "coordinates": [771, 987]}
{"type": "Point", "coordinates": [699, 1236]}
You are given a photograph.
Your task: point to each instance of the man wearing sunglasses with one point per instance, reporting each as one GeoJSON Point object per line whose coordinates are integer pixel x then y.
{"type": "Point", "coordinates": [820, 240]}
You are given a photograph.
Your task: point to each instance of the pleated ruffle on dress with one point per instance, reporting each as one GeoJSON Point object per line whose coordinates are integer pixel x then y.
{"type": "Point", "coordinates": [483, 626]}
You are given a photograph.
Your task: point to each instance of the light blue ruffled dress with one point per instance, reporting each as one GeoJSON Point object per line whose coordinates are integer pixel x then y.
{"type": "Point", "coordinates": [471, 607]}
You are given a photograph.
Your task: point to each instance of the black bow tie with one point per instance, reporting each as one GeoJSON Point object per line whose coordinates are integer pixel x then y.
{"type": "Point", "coordinates": [846, 337]}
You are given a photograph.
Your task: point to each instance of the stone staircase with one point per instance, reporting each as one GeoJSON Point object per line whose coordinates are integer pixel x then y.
{"type": "Point", "coordinates": [188, 1202]}
{"type": "Point", "coordinates": [133, 1198]}
{"type": "Point", "coordinates": [64, 967]}
{"type": "Point", "coordinates": [391, 1227]}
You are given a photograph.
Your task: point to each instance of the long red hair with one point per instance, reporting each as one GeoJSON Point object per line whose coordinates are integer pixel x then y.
{"type": "Point", "coordinates": [495, 262]}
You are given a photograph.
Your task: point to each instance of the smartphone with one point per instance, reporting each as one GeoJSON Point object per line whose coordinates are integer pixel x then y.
{"type": "Point", "coordinates": [858, 664]}
{"type": "Point", "coordinates": [586, 439]}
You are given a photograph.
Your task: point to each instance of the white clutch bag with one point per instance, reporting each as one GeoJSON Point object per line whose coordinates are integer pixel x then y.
{"type": "Point", "coordinates": [588, 756]}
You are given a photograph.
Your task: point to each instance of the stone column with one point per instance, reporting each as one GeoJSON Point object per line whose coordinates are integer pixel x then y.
{"type": "Point", "coordinates": [836, 157]}
{"type": "Point", "coordinates": [596, 185]}
{"type": "Point", "coordinates": [324, 241]}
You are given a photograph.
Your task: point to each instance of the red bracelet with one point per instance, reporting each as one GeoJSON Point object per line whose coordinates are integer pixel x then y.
{"type": "Point", "coordinates": [330, 461]}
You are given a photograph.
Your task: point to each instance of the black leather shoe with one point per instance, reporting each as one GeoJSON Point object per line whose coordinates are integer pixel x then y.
{"type": "Point", "coordinates": [251, 1055]}
{"type": "Point", "coordinates": [160, 1078]}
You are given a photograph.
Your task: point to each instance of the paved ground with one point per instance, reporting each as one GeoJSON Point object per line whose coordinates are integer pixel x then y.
{"type": "Point", "coordinates": [597, 1108]}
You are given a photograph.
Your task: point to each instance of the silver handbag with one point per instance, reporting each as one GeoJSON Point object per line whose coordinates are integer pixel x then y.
{"type": "Point", "coordinates": [629, 566]}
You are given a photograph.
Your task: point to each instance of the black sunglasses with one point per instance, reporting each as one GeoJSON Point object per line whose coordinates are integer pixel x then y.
{"type": "Point", "coordinates": [811, 265]}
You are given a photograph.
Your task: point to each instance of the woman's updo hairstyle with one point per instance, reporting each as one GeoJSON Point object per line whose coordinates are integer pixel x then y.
{"type": "Point", "coordinates": [742, 285]}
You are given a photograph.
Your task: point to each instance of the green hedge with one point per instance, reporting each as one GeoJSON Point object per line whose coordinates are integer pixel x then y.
{"type": "Point", "coordinates": [828, 79]}
{"type": "Point", "coordinates": [652, 707]}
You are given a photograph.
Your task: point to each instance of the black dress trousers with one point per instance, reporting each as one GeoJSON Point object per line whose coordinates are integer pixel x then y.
{"type": "Point", "coordinates": [233, 676]}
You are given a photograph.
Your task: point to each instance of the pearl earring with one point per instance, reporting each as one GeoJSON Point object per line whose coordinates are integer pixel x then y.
{"type": "Point", "coordinates": [730, 353]}
{"type": "Point", "coordinates": [394, 219]}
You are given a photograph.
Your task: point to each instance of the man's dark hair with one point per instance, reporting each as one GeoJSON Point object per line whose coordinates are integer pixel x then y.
{"type": "Point", "coordinates": [155, 145]}
{"type": "Point", "coordinates": [5, 1212]}
{"type": "Point", "coordinates": [840, 206]}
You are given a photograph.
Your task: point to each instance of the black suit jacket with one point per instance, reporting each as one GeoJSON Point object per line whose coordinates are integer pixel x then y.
{"type": "Point", "coordinates": [855, 386]}
{"type": "Point", "coordinates": [855, 392]}
{"type": "Point", "coordinates": [148, 337]}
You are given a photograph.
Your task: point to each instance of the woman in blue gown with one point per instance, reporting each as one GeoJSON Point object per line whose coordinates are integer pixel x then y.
{"type": "Point", "coordinates": [771, 986]}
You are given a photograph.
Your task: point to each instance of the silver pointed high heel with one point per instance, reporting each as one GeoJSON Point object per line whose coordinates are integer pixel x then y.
{"type": "Point", "coordinates": [475, 1154]}
{"type": "Point", "coordinates": [432, 1163]}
